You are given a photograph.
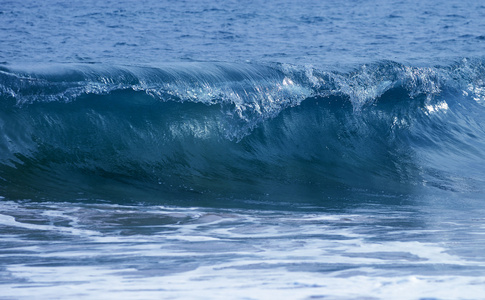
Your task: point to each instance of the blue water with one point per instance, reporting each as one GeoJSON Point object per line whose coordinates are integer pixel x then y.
{"type": "Point", "coordinates": [242, 150]}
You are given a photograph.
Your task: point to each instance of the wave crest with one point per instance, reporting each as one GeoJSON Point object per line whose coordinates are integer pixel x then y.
{"type": "Point", "coordinates": [219, 128]}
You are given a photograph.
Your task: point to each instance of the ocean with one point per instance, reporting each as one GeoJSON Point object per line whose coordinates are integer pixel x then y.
{"type": "Point", "coordinates": [242, 150]}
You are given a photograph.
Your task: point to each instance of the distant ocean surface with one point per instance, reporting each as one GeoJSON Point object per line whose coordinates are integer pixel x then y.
{"type": "Point", "coordinates": [242, 150]}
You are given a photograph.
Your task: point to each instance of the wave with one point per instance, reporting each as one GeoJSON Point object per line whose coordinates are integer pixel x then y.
{"type": "Point", "coordinates": [183, 130]}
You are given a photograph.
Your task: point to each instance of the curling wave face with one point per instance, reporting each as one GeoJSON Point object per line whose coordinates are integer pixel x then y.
{"type": "Point", "coordinates": [222, 129]}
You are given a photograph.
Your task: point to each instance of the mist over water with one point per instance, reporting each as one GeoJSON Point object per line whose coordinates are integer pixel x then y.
{"type": "Point", "coordinates": [195, 150]}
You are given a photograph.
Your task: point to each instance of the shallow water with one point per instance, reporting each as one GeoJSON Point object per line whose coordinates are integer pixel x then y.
{"type": "Point", "coordinates": [61, 250]}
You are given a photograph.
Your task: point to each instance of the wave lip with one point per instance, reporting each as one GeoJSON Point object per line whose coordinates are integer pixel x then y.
{"type": "Point", "coordinates": [222, 128]}
{"type": "Point", "coordinates": [249, 86]}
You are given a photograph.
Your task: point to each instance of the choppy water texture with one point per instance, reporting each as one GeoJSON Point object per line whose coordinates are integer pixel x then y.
{"type": "Point", "coordinates": [204, 150]}
{"type": "Point", "coordinates": [316, 32]}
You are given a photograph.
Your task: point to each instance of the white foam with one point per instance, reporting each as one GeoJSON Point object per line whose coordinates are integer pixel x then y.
{"type": "Point", "coordinates": [237, 254]}
{"type": "Point", "coordinates": [11, 221]}
{"type": "Point", "coordinates": [223, 283]}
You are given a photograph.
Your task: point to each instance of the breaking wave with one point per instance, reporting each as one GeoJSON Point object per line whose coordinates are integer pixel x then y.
{"type": "Point", "coordinates": [190, 130]}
